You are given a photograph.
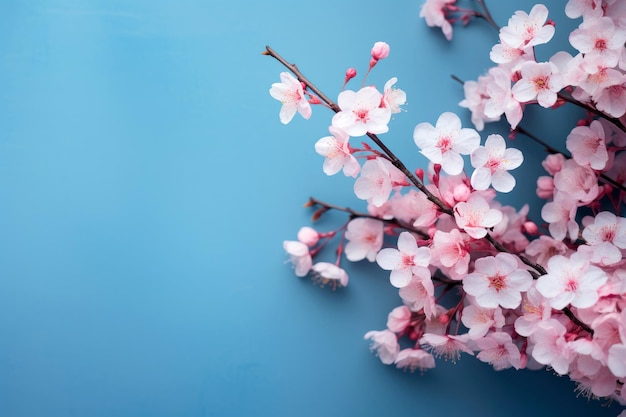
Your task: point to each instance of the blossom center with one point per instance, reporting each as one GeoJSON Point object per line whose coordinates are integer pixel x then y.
{"type": "Point", "coordinates": [362, 115]}
{"type": "Point", "coordinates": [407, 260]}
{"type": "Point", "coordinates": [493, 165]}
{"type": "Point", "coordinates": [600, 44]}
{"type": "Point", "coordinates": [497, 282]}
{"type": "Point", "coordinates": [541, 83]}
{"type": "Point", "coordinates": [444, 144]}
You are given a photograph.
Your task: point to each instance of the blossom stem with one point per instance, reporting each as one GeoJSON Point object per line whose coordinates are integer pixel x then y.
{"type": "Point", "coordinates": [576, 320]}
{"type": "Point", "coordinates": [355, 214]}
{"type": "Point", "coordinates": [486, 15]}
{"type": "Point", "coordinates": [593, 110]}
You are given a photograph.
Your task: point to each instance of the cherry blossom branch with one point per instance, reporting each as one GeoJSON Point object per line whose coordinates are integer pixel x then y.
{"type": "Point", "coordinates": [552, 150]}
{"type": "Point", "coordinates": [395, 161]}
{"type": "Point", "coordinates": [593, 110]}
{"type": "Point", "coordinates": [486, 15]}
{"type": "Point", "coordinates": [355, 214]}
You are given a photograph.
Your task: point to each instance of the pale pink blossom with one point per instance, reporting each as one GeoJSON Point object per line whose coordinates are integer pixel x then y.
{"type": "Point", "coordinates": [419, 294]}
{"type": "Point", "coordinates": [587, 145]}
{"type": "Point", "coordinates": [451, 250]}
{"type": "Point", "coordinates": [291, 94]}
{"type": "Point", "coordinates": [434, 12]}
{"type": "Point", "coordinates": [492, 163]}
{"type": "Point", "coordinates": [497, 281]}
{"type": "Point", "coordinates": [535, 309]}
{"type": "Point", "coordinates": [572, 281]}
{"type": "Point", "coordinates": [561, 216]}
{"type": "Point", "coordinates": [545, 247]}
{"type": "Point", "coordinates": [445, 142]}
{"type": "Point", "coordinates": [377, 179]}
{"type": "Point", "coordinates": [480, 320]}
{"type": "Point", "coordinates": [398, 319]}
{"type": "Point", "coordinates": [501, 100]}
{"type": "Point", "coordinates": [299, 256]}
{"type": "Point", "coordinates": [599, 40]}
{"type": "Point", "coordinates": [499, 350]}
{"type": "Point", "coordinates": [585, 8]}
{"type": "Point", "coordinates": [414, 207]}
{"type": "Point", "coordinates": [524, 30]}
{"type": "Point", "coordinates": [550, 346]}
{"type": "Point", "coordinates": [475, 99]}
{"type": "Point", "coordinates": [446, 346]}
{"type": "Point", "coordinates": [365, 239]}
{"type": "Point", "coordinates": [405, 261]}
{"type": "Point", "coordinates": [540, 81]}
{"type": "Point", "coordinates": [412, 359]}
{"type": "Point", "coordinates": [475, 216]}
{"type": "Point", "coordinates": [606, 227]}
{"type": "Point", "coordinates": [380, 50]}
{"type": "Point", "coordinates": [611, 98]}
{"type": "Point", "coordinates": [578, 182]}
{"type": "Point", "coordinates": [361, 112]}
{"type": "Point", "coordinates": [617, 360]}
{"type": "Point", "coordinates": [331, 274]}
{"type": "Point", "coordinates": [553, 163]}
{"type": "Point", "coordinates": [393, 98]}
{"type": "Point", "coordinates": [336, 150]}
{"type": "Point", "coordinates": [385, 344]}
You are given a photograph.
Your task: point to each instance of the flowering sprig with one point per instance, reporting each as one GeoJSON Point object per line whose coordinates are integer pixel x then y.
{"type": "Point", "coordinates": [475, 276]}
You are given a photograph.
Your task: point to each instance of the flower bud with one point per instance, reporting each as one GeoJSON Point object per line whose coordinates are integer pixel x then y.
{"type": "Point", "coordinates": [308, 236]}
{"type": "Point", "coordinates": [380, 50]}
{"type": "Point", "coordinates": [350, 74]}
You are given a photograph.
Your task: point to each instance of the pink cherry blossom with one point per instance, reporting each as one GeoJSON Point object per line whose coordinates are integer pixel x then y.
{"type": "Point", "coordinates": [419, 294]}
{"type": "Point", "coordinates": [480, 320]}
{"type": "Point", "coordinates": [540, 81]}
{"type": "Point", "coordinates": [361, 112]}
{"type": "Point", "coordinates": [599, 40]}
{"type": "Point", "coordinates": [336, 150]}
{"type": "Point", "coordinates": [550, 346]}
{"type": "Point", "coordinates": [451, 250]}
{"type": "Point", "coordinates": [404, 261]}
{"type": "Point", "coordinates": [398, 319]}
{"type": "Point", "coordinates": [412, 359]}
{"type": "Point", "coordinates": [475, 216]}
{"type": "Point", "coordinates": [393, 98]}
{"type": "Point", "coordinates": [578, 182]}
{"type": "Point", "coordinates": [327, 273]}
{"type": "Point", "coordinates": [377, 179]}
{"type": "Point", "coordinates": [475, 99]}
{"type": "Point", "coordinates": [524, 30]}
{"type": "Point", "coordinates": [492, 163]}
{"type": "Point", "coordinates": [299, 256]}
{"type": "Point", "coordinates": [434, 12]}
{"type": "Point", "coordinates": [501, 100]}
{"type": "Point", "coordinates": [499, 350]}
{"type": "Point", "coordinates": [365, 239]}
{"type": "Point", "coordinates": [606, 227]}
{"type": "Point", "coordinates": [445, 142]}
{"type": "Point", "coordinates": [611, 98]}
{"type": "Point", "coordinates": [385, 343]}
{"type": "Point", "coordinates": [561, 216]}
{"type": "Point", "coordinates": [587, 145]}
{"type": "Point", "coordinates": [585, 8]}
{"type": "Point", "coordinates": [617, 360]}
{"type": "Point", "coordinates": [447, 346]}
{"type": "Point", "coordinates": [291, 94]}
{"type": "Point", "coordinates": [544, 248]}
{"type": "Point", "coordinates": [535, 309]}
{"type": "Point", "coordinates": [497, 281]}
{"type": "Point", "coordinates": [572, 281]}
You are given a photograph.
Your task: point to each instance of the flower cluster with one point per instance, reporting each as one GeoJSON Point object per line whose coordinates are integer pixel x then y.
{"type": "Point", "coordinates": [525, 294]}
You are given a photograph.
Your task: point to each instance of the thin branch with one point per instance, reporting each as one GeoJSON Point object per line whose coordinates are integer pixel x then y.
{"type": "Point", "coordinates": [593, 110]}
{"type": "Point", "coordinates": [486, 15]}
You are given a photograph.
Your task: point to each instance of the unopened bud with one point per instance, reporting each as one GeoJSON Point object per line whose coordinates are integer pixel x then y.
{"type": "Point", "coordinates": [350, 74]}
{"type": "Point", "coordinates": [419, 172]}
{"type": "Point", "coordinates": [380, 50]}
{"type": "Point", "coordinates": [531, 228]}
{"type": "Point", "coordinates": [308, 236]}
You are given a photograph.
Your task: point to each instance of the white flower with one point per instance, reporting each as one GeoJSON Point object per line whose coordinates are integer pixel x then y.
{"type": "Point", "coordinates": [290, 93]}
{"type": "Point", "coordinates": [361, 112]}
{"type": "Point", "coordinates": [492, 163]}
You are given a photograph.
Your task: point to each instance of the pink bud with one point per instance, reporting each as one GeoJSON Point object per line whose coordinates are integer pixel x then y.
{"type": "Point", "coordinates": [461, 192]}
{"type": "Point", "coordinates": [419, 172]}
{"type": "Point", "coordinates": [350, 74]}
{"type": "Point", "coordinates": [380, 50]}
{"type": "Point", "coordinates": [531, 228]}
{"type": "Point", "coordinates": [308, 236]}
{"type": "Point", "coordinates": [553, 163]}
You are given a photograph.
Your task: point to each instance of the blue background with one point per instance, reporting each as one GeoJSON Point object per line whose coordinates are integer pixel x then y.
{"type": "Point", "coordinates": [146, 186]}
